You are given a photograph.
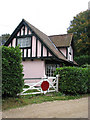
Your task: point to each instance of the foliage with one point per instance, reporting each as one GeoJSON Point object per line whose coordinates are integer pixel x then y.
{"type": "Point", "coordinates": [80, 28]}
{"type": "Point", "coordinates": [73, 80]}
{"type": "Point", "coordinates": [83, 59]}
{"type": "Point", "coordinates": [86, 66]}
{"type": "Point", "coordinates": [4, 38]}
{"type": "Point", "coordinates": [12, 77]}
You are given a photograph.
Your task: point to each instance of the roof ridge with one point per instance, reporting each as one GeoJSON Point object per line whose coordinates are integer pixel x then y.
{"type": "Point", "coordinates": [47, 41]}
{"type": "Point", "coordinates": [43, 33]}
{"type": "Point", "coordinates": [60, 34]}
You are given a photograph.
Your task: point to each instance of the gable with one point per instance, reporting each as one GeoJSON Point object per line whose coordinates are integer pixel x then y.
{"type": "Point", "coordinates": [41, 46]}
{"type": "Point", "coordinates": [36, 49]}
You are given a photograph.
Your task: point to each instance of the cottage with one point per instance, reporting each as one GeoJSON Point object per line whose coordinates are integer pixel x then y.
{"type": "Point", "coordinates": [41, 54]}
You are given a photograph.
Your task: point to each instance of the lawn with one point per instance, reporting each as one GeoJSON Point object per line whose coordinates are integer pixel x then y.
{"type": "Point", "coordinates": [19, 101]}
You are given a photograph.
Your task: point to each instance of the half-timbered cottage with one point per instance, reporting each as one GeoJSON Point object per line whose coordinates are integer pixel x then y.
{"type": "Point", "coordinates": [41, 54]}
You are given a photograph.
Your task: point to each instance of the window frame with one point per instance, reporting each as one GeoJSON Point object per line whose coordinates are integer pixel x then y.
{"type": "Point", "coordinates": [50, 72]}
{"type": "Point", "coordinates": [25, 43]}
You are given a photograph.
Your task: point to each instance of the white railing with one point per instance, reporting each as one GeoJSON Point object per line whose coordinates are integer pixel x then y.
{"type": "Point", "coordinates": [53, 86]}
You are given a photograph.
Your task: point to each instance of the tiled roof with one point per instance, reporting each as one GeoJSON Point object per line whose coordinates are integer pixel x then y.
{"type": "Point", "coordinates": [62, 40]}
{"type": "Point", "coordinates": [47, 41]}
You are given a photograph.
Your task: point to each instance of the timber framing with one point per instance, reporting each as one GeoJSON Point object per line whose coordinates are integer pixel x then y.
{"type": "Point", "coordinates": [45, 41]}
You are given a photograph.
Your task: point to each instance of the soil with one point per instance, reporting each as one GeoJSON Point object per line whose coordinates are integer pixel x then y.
{"type": "Point", "coordinates": [57, 109]}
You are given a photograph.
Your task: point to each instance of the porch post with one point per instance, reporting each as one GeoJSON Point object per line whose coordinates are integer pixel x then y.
{"type": "Point", "coordinates": [57, 78]}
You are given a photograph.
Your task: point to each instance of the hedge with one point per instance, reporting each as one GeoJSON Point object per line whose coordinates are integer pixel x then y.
{"type": "Point", "coordinates": [12, 77]}
{"type": "Point", "coordinates": [74, 80]}
{"type": "Point", "coordinates": [81, 60]}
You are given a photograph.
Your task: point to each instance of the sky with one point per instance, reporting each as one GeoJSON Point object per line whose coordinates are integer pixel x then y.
{"type": "Point", "coordinates": [50, 16]}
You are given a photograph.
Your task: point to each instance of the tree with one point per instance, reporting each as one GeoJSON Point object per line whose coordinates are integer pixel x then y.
{"type": "Point", "coordinates": [4, 38]}
{"type": "Point", "coordinates": [80, 28]}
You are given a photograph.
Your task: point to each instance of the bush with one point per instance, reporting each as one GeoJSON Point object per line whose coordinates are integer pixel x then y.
{"type": "Point", "coordinates": [84, 59]}
{"type": "Point", "coordinates": [12, 77]}
{"type": "Point", "coordinates": [73, 80]}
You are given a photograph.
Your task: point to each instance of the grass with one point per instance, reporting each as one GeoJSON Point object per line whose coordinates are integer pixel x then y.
{"type": "Point", "coordinates": [20, 101]}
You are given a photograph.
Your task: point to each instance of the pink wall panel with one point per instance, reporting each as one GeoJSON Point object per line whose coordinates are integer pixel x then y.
{"type": "Point", "coordinates": [49, 54]}
{"type": "Point", "coordinates": [33, 46]}
{"type": "Point", "coordinates": [29, 50]}
{"type": "Point", "coordinates": [22, 30]}
{"type": "Point", "coordinates": [14, 42]}
{"type": "Point", "coordinates": [33, 69]}
{"type": "Point", "coordinates": [44, 51]}
{"type": "Point", "coordinates": [9, 45]}
{"type": "Point", "coordinates": [63, 50]}
{"type": "Point", "coordinates": [18, 33]}
{"type": "Point", "coordinates": [25, 30]}
{"type": "Point", "coordinates": [29, 32]}
{"type": "Point", "coordinates": [39, 49]}
{"type": "Point", "coordinates": [24, 52]}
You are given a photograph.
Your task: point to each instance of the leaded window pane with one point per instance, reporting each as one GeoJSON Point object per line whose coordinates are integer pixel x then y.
{"type": "Point", "coordinates": [24, 42]}
{"type": "Point", "coordinates": [50, 69]}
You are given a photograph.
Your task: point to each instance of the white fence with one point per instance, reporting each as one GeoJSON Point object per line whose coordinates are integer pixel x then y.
{"type": "Point", "coordinates": [36, 86]}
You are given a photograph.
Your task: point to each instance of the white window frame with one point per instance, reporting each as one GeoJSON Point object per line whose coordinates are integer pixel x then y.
{"type": "Point", "coordinates": [50, 69]}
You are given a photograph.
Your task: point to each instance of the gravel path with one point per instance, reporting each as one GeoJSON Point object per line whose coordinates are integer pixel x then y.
{"type": "Point", "coordinates": [57, 109]}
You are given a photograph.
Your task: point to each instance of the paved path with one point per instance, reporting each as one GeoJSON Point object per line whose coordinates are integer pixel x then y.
{"type": "Point", "coordinates": [57, 109]}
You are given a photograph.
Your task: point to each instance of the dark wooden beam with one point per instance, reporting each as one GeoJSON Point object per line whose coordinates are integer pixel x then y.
{"type": "Point", "coordinates": [47, 53]}
{"type": "Point", "coordinates": [20, 33]}
{"type": "Point", "coordinates": [27, 52]}
{"type": "Point", "coordinates": [16, 41]}
{"type": "Point", "coordinates": [67, 52]}
{"type": "Point", "coordinates": [41, 50]}
{"type": "Point", "coordinates": [11, 43]}
{"type": "Point", "coordinates": [24, 30]}
{"type": "Point", "coordinates": [23, 53]}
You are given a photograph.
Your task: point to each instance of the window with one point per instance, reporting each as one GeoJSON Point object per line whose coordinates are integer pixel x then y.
{"type": "Point", "coordinates": [24, 42]}
{"type": "Point", "coordinates": [50, 69]}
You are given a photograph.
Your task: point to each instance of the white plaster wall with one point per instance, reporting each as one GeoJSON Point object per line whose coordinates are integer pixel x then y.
{"type": "Point", "coordinates": [33, 69]}
{"type": "Point", "coordinates": [70, 57]}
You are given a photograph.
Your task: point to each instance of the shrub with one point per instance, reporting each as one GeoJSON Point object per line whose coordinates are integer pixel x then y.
{"type": "Point", "coordinates": [12, 77]}
{"type": "Point", "coordinates": [84, 59]}
{"type": "Point", "coordinates": [73, 80]}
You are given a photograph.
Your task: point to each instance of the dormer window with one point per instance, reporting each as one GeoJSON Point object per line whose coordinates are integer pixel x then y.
{"type": "Point", "coordinates": [24, 42]}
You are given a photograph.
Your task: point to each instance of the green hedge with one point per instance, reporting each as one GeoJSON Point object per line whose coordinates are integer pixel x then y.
{"type": "Point", "coordinates": [12, 77]}
{"type": "Point", "coordinates": [84, 59]}
{"type": "Point", "coordinates": [74, 80]}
